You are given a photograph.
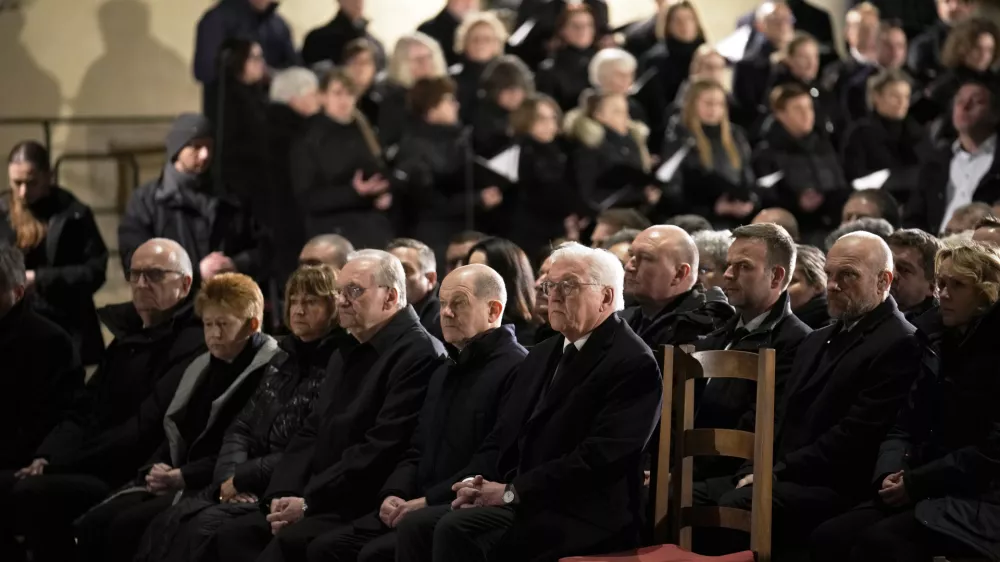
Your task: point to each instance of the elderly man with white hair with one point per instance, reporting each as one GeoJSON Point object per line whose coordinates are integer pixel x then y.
{"type": "Point", "coordinates": [560, 474]}
{"type": "Point", "coordinates": [362, 421]}
{"type": "Point", "coordinates": [847, 383]}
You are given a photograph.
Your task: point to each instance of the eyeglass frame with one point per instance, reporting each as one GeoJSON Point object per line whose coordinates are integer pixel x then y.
{"type": "Point", "coordinates": [337, 293]}
{"type": "Point", "coordinates": [145, 274]}
{"type": "Point", "coordinates": [547, 286]}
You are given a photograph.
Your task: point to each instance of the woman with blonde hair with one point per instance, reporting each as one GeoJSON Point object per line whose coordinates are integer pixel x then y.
{"type": "Point", "coordinates": [415, 56]}
{"type": "Point", "coordinates": [935, 491]}
{"type": "Point", "coordinates": [479, 40]}
{"type": "Point", "coordinates": [337, 167]}
{"type": "Point", "coordinates": [713, 177]}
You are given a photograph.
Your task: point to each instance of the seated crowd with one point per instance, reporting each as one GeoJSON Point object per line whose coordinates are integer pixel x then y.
{"type": "Point", "coordinates": [366, 323]}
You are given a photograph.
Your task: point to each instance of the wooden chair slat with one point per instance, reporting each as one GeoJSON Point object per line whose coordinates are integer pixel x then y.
{"type": "Point", "coordinates": [718, 517]}
{"type": "Point", "coordinates": [719, 442]}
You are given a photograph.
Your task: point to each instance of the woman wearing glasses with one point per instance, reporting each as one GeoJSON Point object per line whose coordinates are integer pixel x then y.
{"type": "Point", "coordinates": [63, 251]}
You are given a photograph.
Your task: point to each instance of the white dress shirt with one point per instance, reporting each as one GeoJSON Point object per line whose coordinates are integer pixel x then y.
{"type": "Point", "coordinates": [967, 170]}
{"type": "Point", "coordinates": [578, 343]}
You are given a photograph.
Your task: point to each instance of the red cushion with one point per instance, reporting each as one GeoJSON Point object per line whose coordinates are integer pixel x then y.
{"type": "Point", "coordinates": [662, 553]}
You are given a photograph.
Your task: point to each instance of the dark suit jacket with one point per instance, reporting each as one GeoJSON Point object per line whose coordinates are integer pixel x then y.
{"type": "Point", "coordinates": [930, 199]}
{"type": "Point", "coordinates": [575, 452]}
{"type": "Point", "coordinates": [837, 410]}
{"type": "Point", "coordinates": [694, 314]}
{"type": "Point", "coordinates": [362, 421]}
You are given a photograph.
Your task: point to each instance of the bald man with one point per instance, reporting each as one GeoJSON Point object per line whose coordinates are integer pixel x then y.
{"type": "Point", "coordinates": [102, 445]}
{"type": "Point", "coordinates": [455, 418]}
{"type": "Point", "coordinates": [661, 276]}
{"type": "Point", "coordinates": [847, 383]}
{"type": "Point", "coordinates": [988, 231]}
{"type": "Point", "coordinates": [781, 217]}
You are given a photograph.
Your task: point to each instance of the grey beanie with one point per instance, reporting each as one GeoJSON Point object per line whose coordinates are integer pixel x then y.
{"type": "Point", "coordinates": [187, 127]}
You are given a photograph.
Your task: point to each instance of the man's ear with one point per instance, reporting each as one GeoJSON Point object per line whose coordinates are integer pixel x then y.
{"type": "Point", "coordinates": [391, 298]}
{"type": "Point", "coordinates": [496, 311]}
{"type": "Point", "coordinates": [432, 277]}
{"type": "Point", "coordinates": [254, 325]}
{"type": "Point", "coordinates": [778, 277]}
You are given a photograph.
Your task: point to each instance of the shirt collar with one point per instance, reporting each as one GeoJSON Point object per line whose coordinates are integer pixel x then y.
{"type": "Point", "coordinates": [754, 323]}
{"type": "Point", "coordinates": [987, 147]}
{"type": "Point", "coordinates": [578, 343]}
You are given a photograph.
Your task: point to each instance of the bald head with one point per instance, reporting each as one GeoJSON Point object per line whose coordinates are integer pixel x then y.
{"type": "Point", "coordinates": [663, 264]}
{"type": "Point", "coordinates": [473, 298]}
{"type": "Point", "coordinates": [329, 249]}
{"type": "Point", "coordinates": [859, 274]}
{"type": "Point", "coordinates": [160, 277]}
{"type": "Point", "coordinates": [163, 252]}
{"type": "Point", "coordinates": [780, 217]}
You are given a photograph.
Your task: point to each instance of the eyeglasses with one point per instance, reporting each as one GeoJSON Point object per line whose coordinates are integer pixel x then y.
{"type": "Point", "coordinates": [352, 292]}
{"type": "Point", "coordinates": [152, 275]}
{"type": "Point", "coordinates": [565, 288]}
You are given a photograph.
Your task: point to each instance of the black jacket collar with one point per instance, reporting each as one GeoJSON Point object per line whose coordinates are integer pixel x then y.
{"type": "Point", "coordinates": [123, 320]}
{"type": "Point", "coordinates": [479, 348]}
{"type": "Point", "coordinates": [401, 322]}
{"type": "Point", "coordinates": [781, 309]}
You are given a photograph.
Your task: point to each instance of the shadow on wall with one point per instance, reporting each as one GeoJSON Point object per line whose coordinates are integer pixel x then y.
{"type": "Point", "coordinates": [135, 75]}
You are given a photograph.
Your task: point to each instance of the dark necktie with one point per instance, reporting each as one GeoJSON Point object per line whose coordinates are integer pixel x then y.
{"type": "Point", "coordinates": [738, 335]}
{"type": "Point", "coordinates": [567, 356]}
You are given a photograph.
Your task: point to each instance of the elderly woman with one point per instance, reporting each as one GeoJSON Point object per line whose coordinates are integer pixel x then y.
{"type": "Point", "coordinates": [713, 252]}
{"type": "Point", "coordinates": [935, 487]}
{"type": "Point", "coordinates": [416, 56]}
{"type": "Point", "coordinates": [256, 441]}
{"type": "Point", "coordinates": [510, 261]}
{"type": "Point", "coordinates": [480, 39]}
{"type": "Point", "coordinates": [212, 390]}
{"type": "Point", "coordinates": [613, 71]}
{"type": "Point", "coordinates": [807, 290]}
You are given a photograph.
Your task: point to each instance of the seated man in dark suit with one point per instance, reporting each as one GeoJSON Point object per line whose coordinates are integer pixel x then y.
{"type": "Point", "coordinates": [758, 270]}
{"type": "Point", "coordinates": [459, 413]}
{"type": "Point", "coordinates": [420, 267]}
{"type": "Point", "coordinates": [661, 275]}
{"type": "Point", "coordinates": [118, 421]}
{"type": "Point", "coordinates": [847, 382]}
{"type": "Point", "coordinates": [360, 426]}
{"type": "Point", "coordinates": [560, 473]}
{"type": "Point", "coordinates": [913, 283]}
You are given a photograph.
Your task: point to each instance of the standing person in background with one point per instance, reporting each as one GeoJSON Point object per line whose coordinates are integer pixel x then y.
{"type": "Point", "coordinates": [66, 258]}
{"type": "Point", "coordinates": [510, 261]}
{"type": "Point", "coordinates": [359, 62]}
{"type": "Point", "coordinates": [253, 20]}
{"type": "Point", "coordinates": [852, 92]}
{"type": "Point", "coordinates": [640, 36]}
{"type": "Point", "coordinates": [326, 44]}
{"type": "Point", "coordinates": [504, 85]}
{"type": "Point", "coordinates": [612, 71]}
{"type": "Point", "coordinates": [536, 30]}
{"type": "Point", "coordinates": [775, 28]}
{"type": "Point", "coordinates": [800, 64]}
{"type": "Point", "coordinates": [479, 40]}
{"type": "Point", "coordinates": [564, 76]}
{"type": "Point", "coordinates": [416, 56]}
{"type": "Point", "coordinates": [860, 29]}
{"type": "Point", "coordinates": [337, 170]}
{"type": "Point", "coordinates": [925, 51]}
{"type": "Point", "coordinates": [443, 28]}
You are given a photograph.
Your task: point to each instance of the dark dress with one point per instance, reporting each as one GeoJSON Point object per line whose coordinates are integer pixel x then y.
{"type": "Point", "coordinates": [69, 266]}
{"type": "Point", "coordinates": [242, 147]}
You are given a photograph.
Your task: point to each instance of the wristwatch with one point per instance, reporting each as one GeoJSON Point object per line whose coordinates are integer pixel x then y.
{"type": "Point", "coordinates": [509, 495]}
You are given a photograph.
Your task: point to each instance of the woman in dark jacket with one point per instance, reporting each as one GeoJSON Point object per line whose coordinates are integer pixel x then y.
{"type": "Point", "coordinates": [565, 75]}
{"type": "Point", "coordinates": [336, 170]}
{"type": "Point", "coordinates": [212, 391]}
{"type": "Point", "coordinates": [255, 442]}
{"type": "Point", "coordinates": [888, 139]}
{"type": "Point", "coordinates": [510, 261]}
{"type": "Point", "coordinates": [63, 251]}
{"type": "Point", "coordinates": [479, 40]}
{"type": "Point", "coordinates": [713, 177]}
{"type": "Point", "coordinates": [936, 487]}
{"type": "Point", "coordinates": [415, 56]}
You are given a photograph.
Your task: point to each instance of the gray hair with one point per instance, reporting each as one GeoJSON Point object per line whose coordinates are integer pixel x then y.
{"type": "Point", "coordinates": [291, 83]}
{"type": "Point", "coordinates": [609, 58]}
{"type": "Point", "coordinates": [780, 246]}
{"type": "Point", "coordinates": [425, 254]}
{"type": "Point", "coordinates": [399, 64]}
{"type": "Point", "coordinates": [388, 271]}
{"type": "Point", "coordinates": [489, 284]}
{"type": "Point", "coordinates": [879, 227]}
{"type": "Point", "coordinates": [813, 263]}
{"type": "Point", "coordinates": [12, 271]}
{"type": "Point", "coordinates": [713, 245]}
{"type": "Point", "coordinates": [603, 266]}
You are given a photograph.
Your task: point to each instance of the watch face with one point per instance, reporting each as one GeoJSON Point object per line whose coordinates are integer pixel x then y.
{"type": "Point", "coordinates": [508, 497]}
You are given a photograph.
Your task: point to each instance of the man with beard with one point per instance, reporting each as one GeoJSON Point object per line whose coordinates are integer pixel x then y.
{"type": "Point", "coordinates": [847, 382]}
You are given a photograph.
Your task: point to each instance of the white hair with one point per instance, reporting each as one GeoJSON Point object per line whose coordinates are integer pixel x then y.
{"type": "Point", "coordinates": [712, 245]}
{"type": "Point", "coordinates": [388, 271]}
{"type": "Point", "coordinates": [291, 83]}
{"type": "Point", "coordinates": [605, 269]}
{"type": "Point", "coordinates": [609, 58]}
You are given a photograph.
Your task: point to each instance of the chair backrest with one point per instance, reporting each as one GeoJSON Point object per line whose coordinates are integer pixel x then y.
{"type": "Point", "coordinates": [673, 493]}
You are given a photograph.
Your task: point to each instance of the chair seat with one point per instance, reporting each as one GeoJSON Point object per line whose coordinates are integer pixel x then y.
{"type": "Point", "coordinates": [662, 553]}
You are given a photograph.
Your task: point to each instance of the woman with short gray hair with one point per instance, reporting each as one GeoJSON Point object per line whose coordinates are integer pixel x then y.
{"type": "Point", "coordinates": [713, 252]}
{"type": "Point", "coordinates": [807, 291]}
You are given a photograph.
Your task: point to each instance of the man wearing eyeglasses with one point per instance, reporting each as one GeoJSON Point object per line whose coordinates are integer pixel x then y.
{"type": "Point", "coordinates": [559, 474]}
{"type": "Point", "coordinates": [362, 421]}
{"type": "Point", "coordinates": [113, 431]}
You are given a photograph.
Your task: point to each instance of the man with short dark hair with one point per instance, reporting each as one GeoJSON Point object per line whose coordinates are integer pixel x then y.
{"type": "Point", "coordinates": [914, 285]}
{"type": "Point", "coordinates": [611, 221]}
{"type": "Point", "coordinates": [871, 204]}
{"type": "Point", "coordinates": [329, 249]}
{"type": "Point", "coordinates": [420, 268]}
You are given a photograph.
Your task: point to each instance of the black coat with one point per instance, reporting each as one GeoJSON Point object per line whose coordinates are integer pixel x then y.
{"type": "Point", "coordinates": [324, 161]}
{"type": "Point", "coordinates": [461, 409]}
{"type": "Point", "coordinates": [466, 75]}
{"type": "Point", "coordinates": [544, 14]}
{"type": "Point", "coordinates": [875, 143]}
{"type": "Point", "coordinates": [813, 20]}
{"type": "Point", "coordinates": [640, 36]}
{"type": "Point", "coordinates": [841, 400]}
{"type": "Point", "coordinates": [565, 76]}
{"type": "Point", "coordinates": [394, 117]}
{"type": "Point", "coordinates": [118, 422]}
{"type": "Point", "coordinates": [662, 72]}
{"type": "Point", "coordinates": [442, 28]}
{"type": "Point", "coordinates": [429, 312]}
{"type": "Point", "coordinates": [609, 169]}
{"type": "Point", "coordinates": [947, 440]}
{"type": "Point", "coordinates": [362, 421]}
{"type": "Point", "coordinates": [42, 377]}
{"type": "Point", "coordinates": [69, 265]}
{"type": "Point", "coordinates": [929, 201]}
{"type": "Point", "coordinates": [691, 315]}
{"type": "Point", "coordinates": [198, 219]}
{"type": "Point", "coordinates": [281, 217]}
{"type": "Point", "coordinates": [242, 145]}
{"type": "Point", "coordinates": [814, 313]}
{"type": "Point", "coordinates": [490, 129]}
{"type": "Point", "coordinates": [573, 455]}
{"type": "Point", "coordinates": [327, 43]}
{"type": "Point", "coordinates": [924, 59]}
{"type": "Point", "coordinates": [543, 196]}
{"type": "Point", "coordinates": [809, 162]}
{"type": "Point", "coordinates": [751, 77]}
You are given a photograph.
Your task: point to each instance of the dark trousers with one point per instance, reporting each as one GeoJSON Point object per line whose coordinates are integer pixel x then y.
{"type": "Point", "coordinates": [440, 534]}
{"type": "Point", "coordinates": [872, 533]}
{"type": "Point", "coordinates": [42, 510]}
{"type": "Point", "coordinates": [112, 531]}
{"type": "Point", "coordinates": [249, 538]}
{"type": "Point", "coordinates": [796, 511]}
{"type": "Point", "coordinates": [366, 540]}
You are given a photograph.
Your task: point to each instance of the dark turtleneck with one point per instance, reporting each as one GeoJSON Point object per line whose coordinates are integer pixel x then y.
{"type": "Point", "coordinates": [681, 52]}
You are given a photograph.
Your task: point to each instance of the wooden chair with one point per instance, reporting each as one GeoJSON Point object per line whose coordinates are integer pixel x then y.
{"type": "Point", "coordinates": [673, 487]}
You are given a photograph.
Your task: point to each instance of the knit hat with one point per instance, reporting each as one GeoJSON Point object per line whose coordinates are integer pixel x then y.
{"type": "Point", "coordinates": [187, 127]}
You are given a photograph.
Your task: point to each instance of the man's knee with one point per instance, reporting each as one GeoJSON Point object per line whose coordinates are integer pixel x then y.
{"type": "Point", "coordinates": [381, 549]}
{"type": "Point", "coordinates": [741, 498]}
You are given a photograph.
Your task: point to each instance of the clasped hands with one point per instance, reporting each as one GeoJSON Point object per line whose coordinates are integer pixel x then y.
{"type": "Point", "coordinates": [229, 494]}
{"type": "Point", "coordinates": [893, 492]}
{"type": "Point", "coordinates": [394, 509]}
{"type": "Point", "coordinates": [162, 478]}
{"type": "Point", "coordinates": [284, 512]}
{"type": "Point", "coordinates": [477, 492]}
